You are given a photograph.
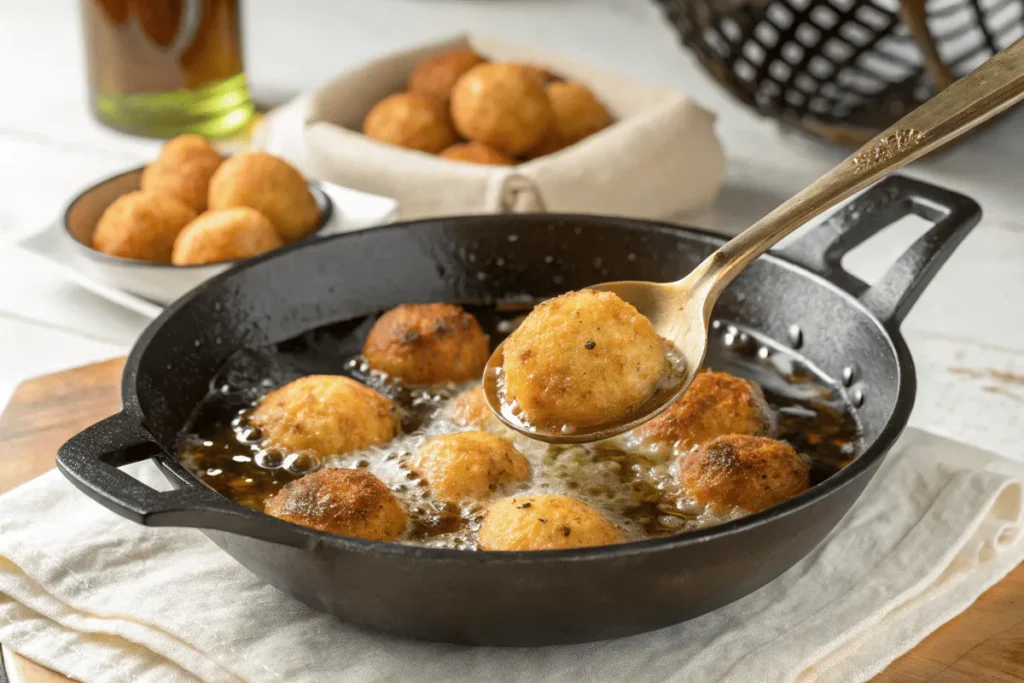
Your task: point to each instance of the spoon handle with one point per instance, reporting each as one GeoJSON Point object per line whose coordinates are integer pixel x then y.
{"type": "Point", "coordinates": [991, 88]}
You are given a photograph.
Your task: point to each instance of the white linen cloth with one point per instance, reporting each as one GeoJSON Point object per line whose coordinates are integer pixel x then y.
{"type": "Point", "coordinates": [101, 599]}
{"type": "Point", "coordinates": [659, 159]}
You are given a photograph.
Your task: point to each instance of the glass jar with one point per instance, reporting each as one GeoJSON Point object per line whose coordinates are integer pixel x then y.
{"type": "Point", "coordinates": [165, 67]}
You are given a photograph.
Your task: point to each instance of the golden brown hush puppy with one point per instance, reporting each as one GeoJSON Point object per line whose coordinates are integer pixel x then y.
{"type": "Point", "coordinates": [544, 522]}
{"type": "Point", "coordinates": [141, 225]}
{"type": "Point", "coordinates": [270, 185]}
{"type": "Point", "coordinates": [436, 75]}
{"type": "Point", "coordinates": [750, 473]}
{"type": "Point", "coordinates": [477, 153]}
{"type": "Point", "coordinates": [715, 404]}
{"type": "Point", "coordinates": [225, 235]}
{"type": "Point", "coordinates": [338, 501]}
{"type": "Point", "coordinates": [325, 415]}
{"type": "Point", "coordinates": [410, 120]}
{"type": "Point", "coordinates": [577, 114]}
{"type": "Point", "coordinates": [580, 359]}
{"type": "Point", "coordinates": [183, 169]}
{"type": "Point", "coordinates": [470, 409]}
{"type": "Point", "coordinates": [543, 75]}
{"type": "Point", "coordinates": [501, 105]}
{"type": "Point", "coordinates": [427, 343]}
{"type": "Point", "coordinates": [469, 466]}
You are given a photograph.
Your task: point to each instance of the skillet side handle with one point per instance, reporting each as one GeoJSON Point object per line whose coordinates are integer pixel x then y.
{"type": "Point", "coordinates": [895, 293]}
{"type": "Point", "coordinates": [90, 460]}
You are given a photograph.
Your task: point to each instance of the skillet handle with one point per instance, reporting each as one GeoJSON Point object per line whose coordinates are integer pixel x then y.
{"type": "Point", "coordinates": [894, 294]}
{"type": "Point", "coordinates": [90, 460]}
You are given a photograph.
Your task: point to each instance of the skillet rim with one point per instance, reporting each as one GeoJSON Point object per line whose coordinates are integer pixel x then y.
{"type": "Point", "coordinates": [875, 451]}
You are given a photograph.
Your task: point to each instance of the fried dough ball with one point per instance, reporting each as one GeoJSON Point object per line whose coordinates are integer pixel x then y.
{"type": "Point", "coordinates": [141, 225]}
{"type": "Point", "coordinates": [410, 120]}
{"type": "Point", "coordinates": [341, 501]}
{"type": "Point", "coordinates": [427, 343]}
{"type": "Point", "coordinates": [544, 522]}
{"type": "Point", "coordinates": [715, 404]}
{"type": "Point", "coordinates": [577, 114]}
{"type": "Point", "coordinates": [477, 153]}
{"type": "Point", "coordinates": [746, 472]}
{"type": "Point", "coordinates": [436, 75]}
{"type": "Point", "coordinates": [325, 415]}
{"type": "Point", "coordinates": [469, 466]}
{"type": "Point", "coordinates": [501, 105]}
{"type": "Point", "coordinates": [543, 75]}
{"type": "Point", "coordinates": [270, 185]}
{"type": "Point", "coordinates": [183, 169]}
{"type": "Point", "coordinates": [470, 408]}
{"type": "Point", "coordinates": [580, 359]}
{"type": "Point", "coordinates": [225, 235]}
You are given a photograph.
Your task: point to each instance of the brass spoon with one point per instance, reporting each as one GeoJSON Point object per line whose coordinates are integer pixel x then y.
{"type": "Point", "coordinates": [680, 311]}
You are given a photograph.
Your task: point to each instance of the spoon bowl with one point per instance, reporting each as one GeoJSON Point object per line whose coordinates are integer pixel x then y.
{"type": "Point", "coordinates": [681, 311]}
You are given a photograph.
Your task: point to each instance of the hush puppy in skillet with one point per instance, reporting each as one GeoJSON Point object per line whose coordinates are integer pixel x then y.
{"type": "Point", "coordinates": [225, 235]}
{"type": "Point", "coordinates": [544, 522]}
{"type": "Point", "coordinates": [743, 472]}
{"type": "Point", "coordinates": [142, 225]}
{"type": "Point", "coordinates": [477, 153]}
{"type": "Point", "coordinates": [580, 359]}
{"type": "Point", "coordinates": [270, 185]}
{"type": "Point", "coordinates": [325, 415]}
{"type": "Point", "coordinates": [470, 409]}
{"type": "Point", "coordinates": [501, 105]}
{"type": "Point", "coordinates": [436, 75]}
{"type": "Point", "coordinates": [410, 120]}
{"type": "Point", "coordinates": [715, 404]}
{"type": "Point", "coordinates": [469, 466]}
{"type": "Point", "coordinates": [341, 501]}
{"type": "Point", "coordinates": [183, 169]}
{"type": "Point", "coordinates": [427, 343]}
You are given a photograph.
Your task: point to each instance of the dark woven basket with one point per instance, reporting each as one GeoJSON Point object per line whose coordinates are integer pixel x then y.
{"type": "Point", "coordinates": [842, 69]}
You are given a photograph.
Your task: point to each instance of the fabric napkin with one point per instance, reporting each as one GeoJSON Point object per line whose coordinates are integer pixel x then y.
{"type": "Point", "coordinates": [100, 599]}
{"type": "Point", "coordinates": [659, 159]}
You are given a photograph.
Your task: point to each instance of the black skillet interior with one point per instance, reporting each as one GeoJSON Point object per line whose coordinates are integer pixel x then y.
{"type": "Point", "coordinates": [804, 300]}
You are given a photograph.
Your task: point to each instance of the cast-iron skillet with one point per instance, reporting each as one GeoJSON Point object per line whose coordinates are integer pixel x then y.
{"type": "Point", "coordinates": [799, 297]}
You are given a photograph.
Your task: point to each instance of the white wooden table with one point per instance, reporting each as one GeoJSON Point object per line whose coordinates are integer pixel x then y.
{"type": "Point", "coordinates": [967, 332]}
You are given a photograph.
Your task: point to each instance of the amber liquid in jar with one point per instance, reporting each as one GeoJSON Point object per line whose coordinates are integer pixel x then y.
{"type": "Point", "coordinates": [165, 67]}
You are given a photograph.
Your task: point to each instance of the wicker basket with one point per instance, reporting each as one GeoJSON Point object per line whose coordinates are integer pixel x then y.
{"type": "Point", "coordinates": [842, 69]}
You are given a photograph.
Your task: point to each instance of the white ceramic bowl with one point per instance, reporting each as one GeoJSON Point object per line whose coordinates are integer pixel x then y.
{"type": "Point", "coordinates": [159, 282]}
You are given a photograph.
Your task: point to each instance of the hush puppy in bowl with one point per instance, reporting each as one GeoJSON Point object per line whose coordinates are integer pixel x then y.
{"type": "Point", "coordinates": [270, 185]}
{"type": "Point", "coordinates": [580, 359]}
{"type": "Point", "coordinates": [469, 466]}
{"type": "Point", "coordinates": [142, 225]}
{"type": "Point", "coordinates": [184, 169]}
{"type": "Point", "coordinates": [410, 120]}
{"type": "Point", "coordinates": [325, 415]}
{"type": "Point", "coordinates": [743, 472]}
{"type": "Point", "coordinates": [341, 501]}
{"type": "Point", "coordinates": [225, 235]}
{"type": "Point", "coordinates": [427, 343]}
{"type": "Point", "coordinates": [544, 522]}
{"type": "Point", "coordinates": [435, 76]}
{"type": "Point", "coordinates": [501, 105]}
{"type": "Point", "coordinates": [477, 153]}
{"type": "Point", "coordinates": [715, 404]}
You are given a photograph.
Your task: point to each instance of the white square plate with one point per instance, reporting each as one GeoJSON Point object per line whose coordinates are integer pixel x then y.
{"type": "Point", "coordinates": [353, 210]}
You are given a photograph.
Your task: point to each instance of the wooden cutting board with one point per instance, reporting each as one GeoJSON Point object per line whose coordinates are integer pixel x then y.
{"type": "Point", "coordinates": [985, 644]}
